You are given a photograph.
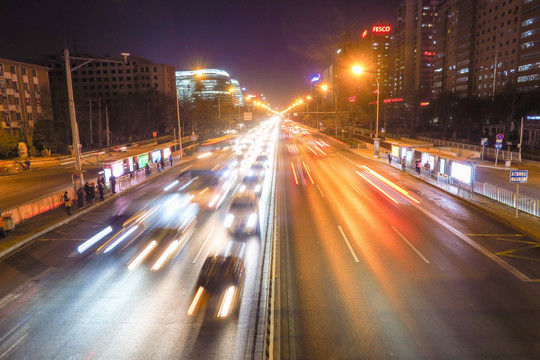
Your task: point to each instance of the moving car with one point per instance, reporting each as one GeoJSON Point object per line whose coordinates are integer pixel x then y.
{"type": "Point", "coordinates": [243, 215]}
{"type": "Point", "coordinates": [220, 282]}
{"type": "Point", "coordinates": [251, 184]}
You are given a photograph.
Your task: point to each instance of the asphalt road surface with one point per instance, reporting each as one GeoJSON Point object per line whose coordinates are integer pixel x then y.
{"type": "Point", "coordinates": [63, 305]}
{"type": "Point", "coordinates": [368, 271]}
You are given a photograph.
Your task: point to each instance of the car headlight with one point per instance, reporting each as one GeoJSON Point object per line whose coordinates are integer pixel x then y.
{"type": "Point", "coordinates": [242, 188]}
{"type": "Point", "coordinates": [257, 188]}
{"type": "Point", "coordinates": [252, 220]}
{"type": "Point", "coordinates": [228, 220]}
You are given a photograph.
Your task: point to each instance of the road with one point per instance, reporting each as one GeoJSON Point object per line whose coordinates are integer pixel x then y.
{"type": "Point", "coordinates": [61, 304]}
{"type": "Point", "coordinates": [366, 272]}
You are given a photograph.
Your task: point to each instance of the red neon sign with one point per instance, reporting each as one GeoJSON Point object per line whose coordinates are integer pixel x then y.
{"type": "Point", "coordinates": [393, 100]}
{"type": "Point", "coordinates": [364, 34]}
{"type": "Point", "coordinates": [381, 29]}
{"type": "Point", "coordinates": [425, 103]}
{"type": "Point", "coordinates": [352, 99]}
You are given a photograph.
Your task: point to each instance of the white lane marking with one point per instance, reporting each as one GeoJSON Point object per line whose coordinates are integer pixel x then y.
{"type": "Point", "coordinates": [202, 247]}
{"type": "Point", "coordinates": [411, 245]}
{"type": "Point", "coordinates": [16, 344]}
{"type": "Point", "coordinates": [320, 190]}
{"type": "Point", "coordinates": [7, 299]}
{"type": "Point", "coordinates": [333, 167]}
{"type": "Point", "coordinates": [348, 244]}
{"type": "Point", "coordinates": [475, 245]}
{"type": "Point", "coordinates": [355, 189]}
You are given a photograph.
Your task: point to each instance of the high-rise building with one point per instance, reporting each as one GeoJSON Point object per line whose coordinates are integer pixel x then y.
{"type": "Point", "coordinates": [454, 47]}
{"type": "Point", "coordinates": [376, 52]}
{"type": "Point", "coordinates": [414, 46]}
{"type": "Point", "coordinates": [529, 46]}
{"type": "Point", "coordinates": [210, 84]}
{"type": "Point", "coordinates": [497, 40]}
{"type": "Point", "coordinates": [24, 95]}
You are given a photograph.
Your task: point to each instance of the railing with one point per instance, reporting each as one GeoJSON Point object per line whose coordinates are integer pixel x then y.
{"type": "Point", "coordinates": [507, 197]}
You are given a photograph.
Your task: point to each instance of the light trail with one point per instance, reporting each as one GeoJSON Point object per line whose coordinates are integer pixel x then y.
{"type": "Point", "coordinates": [94, 239]}
{"type": "Point", "coordinates": [391, 184]}
{"type": "Point", "coordinates": [137, 261]}
{"type": "Point", "coordinates": [309, 174]}
{"type": "Point", "coordinates": [378, 188]}
{"type": "Point", "coordinates": [294, 172]}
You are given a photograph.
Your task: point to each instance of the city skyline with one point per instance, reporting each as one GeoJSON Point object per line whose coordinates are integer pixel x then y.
{"type": "Point", "coordinates": [271, 48]}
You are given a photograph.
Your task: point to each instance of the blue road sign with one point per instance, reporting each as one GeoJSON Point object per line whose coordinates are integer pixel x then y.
{"type": "Point", "coordinates": [500, 136]}
{"type": "Point", "coordinates": [518, 176]}
{"type": "Point", "coordinates": [483, 141]}
{"type": "Point", "coordinates": [498, 146]}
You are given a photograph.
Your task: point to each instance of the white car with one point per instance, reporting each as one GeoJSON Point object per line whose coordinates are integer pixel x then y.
{"type": "Point", "coordinates": [243, 215]}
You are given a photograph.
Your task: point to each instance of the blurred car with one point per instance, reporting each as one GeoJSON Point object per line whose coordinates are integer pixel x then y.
{"type": "Point", "coordinates": [263, 158]}
{"type": "Point", "coordinates": [220, 283]}
{"type": "Point", "coordinates": [243, 214]}
{"type": "Point", "coordinates": [257, 168]}
{"type": "Point", "coordinates": [251, 184]}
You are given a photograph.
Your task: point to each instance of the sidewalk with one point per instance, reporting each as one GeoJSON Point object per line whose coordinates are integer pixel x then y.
{"type": "Point", "coordinates": [525, 223]}
{"type": "Point", "coordinates": [28, 230]}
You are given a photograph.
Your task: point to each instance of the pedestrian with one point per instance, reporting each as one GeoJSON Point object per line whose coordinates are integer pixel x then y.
{"type": "Point", "coordinates": [101, 189]}
{"type": "Point", "coordinates": [87, 191]}
{"type": "Point", "coordinates": [418, 166]}
{"type": "Point", "coordinates": [147, 169]}
{"type": "Point", "coordinates": [403, 164]}
{"type": "Point", "coordinates": [80, 197]}
{"type": "Point", "coordinates": [162, 162]}
{"type": "Point", "coordinates": [67, 202]}
{"type": "Point", "coordinates": [2, 232]}
{"type": "Point", "coordinates": [112, 180]}
{"type": "Point", "coordinates": [92, 192]}
{"type": "Point", "coordinates": [390, 158]}
{"type": "Point", "coordinates": [170, 159]}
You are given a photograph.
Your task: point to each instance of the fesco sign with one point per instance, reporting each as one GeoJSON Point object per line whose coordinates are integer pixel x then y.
{"type": "Point", "coordinates": [381, 29]}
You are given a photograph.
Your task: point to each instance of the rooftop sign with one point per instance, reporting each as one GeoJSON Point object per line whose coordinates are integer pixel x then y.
{"type": "Point", "coordinates": [381, 29]}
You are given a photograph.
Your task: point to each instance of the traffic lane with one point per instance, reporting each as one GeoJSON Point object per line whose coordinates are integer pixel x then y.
{"type": "Point", "coordinates": [98, 293]}
{"type": "Point", "coordinates": [106, 310]}
{"type": "Point", "coordinates": [472, 226]}
{"type": "Point", "coordinates": [320, 265]}
{"type": "Point", "coordinates": [391, 247]}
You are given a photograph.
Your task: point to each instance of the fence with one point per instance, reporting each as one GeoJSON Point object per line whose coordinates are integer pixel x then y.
{"type": "Point", "coordinates": [507, 197]}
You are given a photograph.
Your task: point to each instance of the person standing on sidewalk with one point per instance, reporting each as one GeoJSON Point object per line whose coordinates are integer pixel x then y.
{"type": "Point", "coordinates": [92, 190]}
{"type": "Point", "coordinates": [112, 179]}
{"type": "Point", "coordinates": [80, 197]}
{"type": "Point", "coordinates": [2, 232]}
{"type": "Point", "coordinates": [67, 202]}
{"type": "Point", "coordinates": [170, 159]}
{"type": "Point", "coordinates": [101, 189]}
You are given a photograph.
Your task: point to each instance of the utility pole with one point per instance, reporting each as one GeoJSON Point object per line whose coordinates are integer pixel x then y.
{"type": "Point", "coordinates": [179, 127]}
{"type": "Point", "coordinates": [90, 106]}
{"type": "Point", "coordinates": [99, 118]}
{"type": "Point", "coordinates": [107, 129]}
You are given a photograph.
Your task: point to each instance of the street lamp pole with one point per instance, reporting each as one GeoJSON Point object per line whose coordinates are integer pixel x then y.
{"type": "Point", "coordinates": [376, 140]}
{"type": "Point", "coordinates": [334, 90]}
{"type": "Point", "coordinates": [179, 127]}
{"type": "Point", "coordinates": [72, 115]}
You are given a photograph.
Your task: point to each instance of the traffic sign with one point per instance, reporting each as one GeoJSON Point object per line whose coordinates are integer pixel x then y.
{"type": "Point", "coordinates": [193, 137]}
{"type": "Point", "coordinates": [483, 141]}
{"type": "Point", "coordinates": [519, 176]}
{"type": "Point", "coordinates": [498, 145]}
{"type": "Point", "coordinates": [500, 136]}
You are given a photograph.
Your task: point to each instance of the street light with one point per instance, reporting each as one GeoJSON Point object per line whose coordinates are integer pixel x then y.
{"type": "Point", "coordinates": [325, 88]}
{"type": "Point", "coordinates": [358, 70]}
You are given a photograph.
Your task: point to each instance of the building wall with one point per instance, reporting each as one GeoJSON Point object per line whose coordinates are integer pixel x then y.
{"type": "Point", "coordinates": [529, 46]}
{"type": "Point", "coordinates": [454, 47]}
{"type": "Point", "coordinates": [209, 84]}
{"type": "Point", "coordinates": [24, 95]}
{"type": "Point", "coordinates": [496, 45]}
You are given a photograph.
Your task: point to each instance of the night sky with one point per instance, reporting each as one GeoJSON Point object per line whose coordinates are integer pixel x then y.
{"type": "Point", "coordinates": [271, 47]}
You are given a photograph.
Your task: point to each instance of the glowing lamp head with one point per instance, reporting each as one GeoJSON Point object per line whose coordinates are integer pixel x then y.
{"type": "Point", "coordinates": [324, 87]}
{"type": "Point", "coordinates": [357, 69]}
